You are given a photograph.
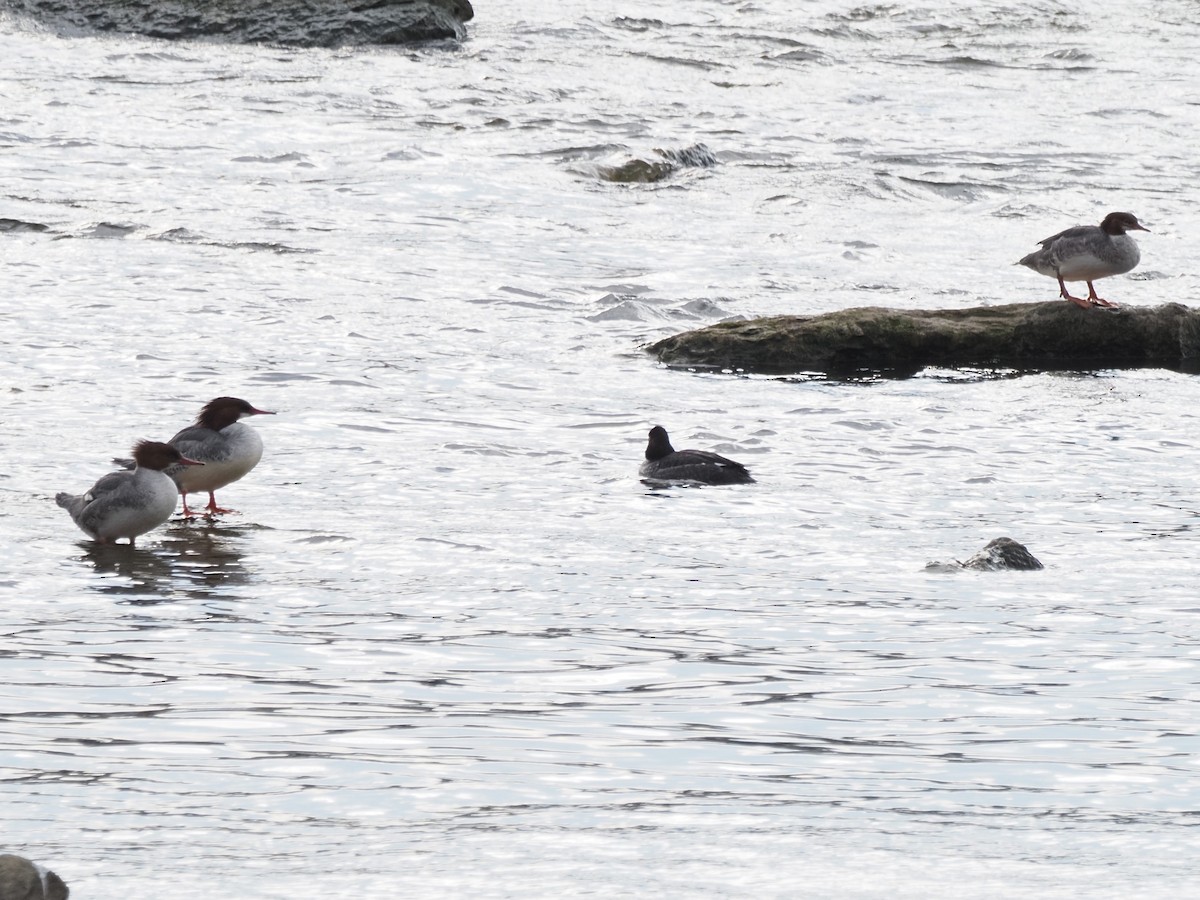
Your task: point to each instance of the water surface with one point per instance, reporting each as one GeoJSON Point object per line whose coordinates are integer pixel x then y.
{"type": "Point", "coordinates": [451, 645]}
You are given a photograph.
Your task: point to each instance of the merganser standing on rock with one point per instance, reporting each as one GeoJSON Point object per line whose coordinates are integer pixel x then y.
{"type": "Point", "coordinates": [127, 504]}
{"type": "Point", "coordinates": [665, 463]}
{"type": "Point", "coordinates": [1088, 252]}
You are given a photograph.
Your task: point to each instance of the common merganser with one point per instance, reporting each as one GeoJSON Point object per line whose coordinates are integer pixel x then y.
{"type": "Point", "coordinates": [665, 463]}
{"type": "Point", "coordinates": [126, 504]}
{"type": "Point", "coordinates": [227, 447]}
{"type": "Point", "coordinates": [1088, 252]}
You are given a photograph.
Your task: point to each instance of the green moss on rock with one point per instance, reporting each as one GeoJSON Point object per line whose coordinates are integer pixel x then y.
{"type": "Point", "coordinates": [1029, 336]}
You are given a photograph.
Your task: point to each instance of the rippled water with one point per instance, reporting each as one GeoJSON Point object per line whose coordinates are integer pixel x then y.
{"type": "Point", "coordinates": [451, 646]}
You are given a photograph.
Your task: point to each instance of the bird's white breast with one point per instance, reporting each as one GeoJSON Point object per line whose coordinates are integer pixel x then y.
{"type": "Point", "coordinates": [237, 451]}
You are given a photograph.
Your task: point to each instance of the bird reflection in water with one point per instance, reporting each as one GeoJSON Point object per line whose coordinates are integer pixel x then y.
{"type": "Point", "coordinates": [186, 563]}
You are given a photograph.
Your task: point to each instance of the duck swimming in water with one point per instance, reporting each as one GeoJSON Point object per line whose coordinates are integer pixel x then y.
{"type": "Point", "coordinates": [665, 463]}
{"type": "Point", "coordinates": [1086, 253]}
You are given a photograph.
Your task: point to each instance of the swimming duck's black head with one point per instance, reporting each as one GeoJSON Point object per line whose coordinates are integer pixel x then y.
{"type": "Point", "coordinates": [659, 445]}
{"type": "Point", "coordinates": [1120, 222]}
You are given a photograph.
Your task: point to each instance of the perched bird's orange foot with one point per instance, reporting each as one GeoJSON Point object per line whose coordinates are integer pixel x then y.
{"type": "Point", "coordinates": [213, 509]}
{"type": "Point", "coordinates": [1097, 300]}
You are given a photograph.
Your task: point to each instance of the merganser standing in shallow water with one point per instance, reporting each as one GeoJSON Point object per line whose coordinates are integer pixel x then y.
{"type": "Point", "coordinates": [227, 447]}
{"type": "Point", "coordinates": [665, 463]}
{"type": "Point", "coordinates": [1088, 252]}
{"type": "Point", "coordinates": [127, 504]}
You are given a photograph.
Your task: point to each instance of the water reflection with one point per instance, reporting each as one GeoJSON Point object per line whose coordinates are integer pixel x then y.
{"type": "Point", "coordinates": [128, 570]}
{"type": "Point", "coordinates": [192, 561]}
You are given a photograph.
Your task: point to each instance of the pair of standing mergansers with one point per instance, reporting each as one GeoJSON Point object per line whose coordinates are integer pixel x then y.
{"type": "Point", "coordinates": [214, 452]}
{"type": "Point", "coordinates": [1087, 253]}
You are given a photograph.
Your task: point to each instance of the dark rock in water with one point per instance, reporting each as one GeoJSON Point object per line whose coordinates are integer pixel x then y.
{"type": "Point", "coordinates": [110, 230]}
{"type": "Point", "coordinates": [697, 156]}
{"type": "Point", "coordinates": [22, 880]}
{"type": "Point", "coordinates": [301, 23]}
{"type": "Point", "coordinates": [901, 342]}
{"type": "Point", "coordinates": [645, 171]}
{"type": "Point", "coordinates": [16, 225]}
{"type": "Point", "coordinates": [1001, 554]}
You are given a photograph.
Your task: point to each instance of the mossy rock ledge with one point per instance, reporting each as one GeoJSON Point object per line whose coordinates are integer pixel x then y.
{"type": "Point", "coordinates": [298, 23]}
{"type": "Point", "coordinates": [902, 342]}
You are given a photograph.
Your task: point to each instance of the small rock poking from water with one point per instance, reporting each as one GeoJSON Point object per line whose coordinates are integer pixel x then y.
{"type": "Point", "coordinates": [16, 225]}
{"type": "Point", "coordinates": [300, 23]}
{"type": "Point", "coordinates": [21, 879]}
{"type": "Point", "coordinates": [646, 171]}
{"type": "Point", "coordinates": [1002, 554]}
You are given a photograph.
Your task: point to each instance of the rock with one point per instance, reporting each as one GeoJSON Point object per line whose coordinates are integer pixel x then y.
{"type": "Point", "coordinates": [901, 342]}
{"type": "Point", "coordinates": [22, 880]}
{"type": "Point", "coordinates": [17, 225]}
{"type": "Point", "coordinates": [661, 166]}
{"type": "Point", "coordinates": [1001, 554]}
{"type": "Point", "coordinates": [301, 23]}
